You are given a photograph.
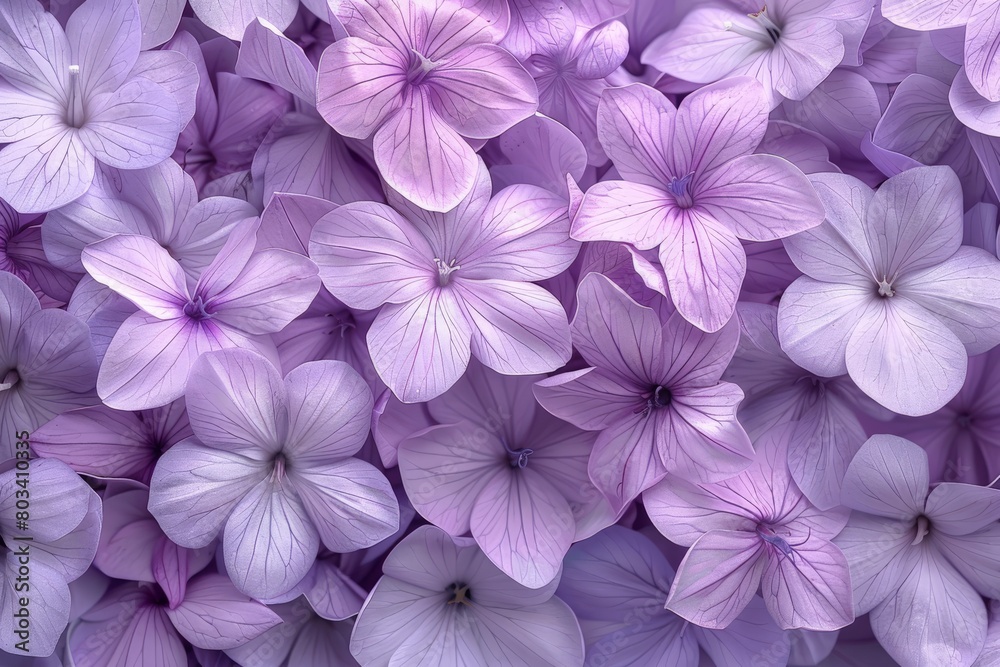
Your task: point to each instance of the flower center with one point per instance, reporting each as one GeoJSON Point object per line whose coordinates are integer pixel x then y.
{"type": "Point", "coordinates": [74, 103]}
{"type": "Point", "coordinates": [460, 594]}
{"type": "Point", "coordinates": [196, 309]}
{"type": "Point", "coordinates": [343, 323]}
{"type": "Point", "coordinates": [766, 533]}
{"type": "Point", "coordinates": [963, 420]}
{"type": "Point", "coordinates": [680, 188]}
{"type": "Point", "coordinates": [658, 397]}
{"type": "Point", "coordinates": [445, 269]}
{"type": "Point", "coordinates": [420, 67]}
{"type": "Point", "coordinates": [767, 32]}
{"type": "Point", "coordinates": [10, 380]}
{"type": "Point", "coordinates": [885, 288]}
{"type": "Point", "coordinates": [278, 471]}
{"type": "Point", "coordinates": [923, 527]}
{"type": "Point", "coordinates": [518, 458]}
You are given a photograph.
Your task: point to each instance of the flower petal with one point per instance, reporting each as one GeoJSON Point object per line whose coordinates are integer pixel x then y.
{"type": "Point", "coordinates": [194, 490]}
{"type": "Point", "coordinates": [139, 269]}
{"type": "Point", "coordinates": [368, 254]}
{"type": "Point", "coordinates": [517, 328]}
{"type": "Point", "coordinates": [133, 127]}
{"type": "Point", "coordinates": [46, 170]}
{"type": "Point", "coordinates": [888, 477]}
{"type": "Point", "coordinates": [717, 578]}
{"type": "Point", "coordinates": [216, 616]}
{"type": "Point", "coordinates": [809, 588]}
{"type": "Point", "coordinates": [269, 541]}
{"type": "Point", "coordinates": [482, 91]}
{"type": "Point", "coordinates": [420, 156]}
{"type": "Point", "coordinates": [349, 501]}
{"type": "Point", "coordinates": [105, 38]}
{"type": "Point", "coordinates": [902, 356]}
{"type": "Point", "coordinates": [421, 348]}
{"type": "Point", "coordinates": [524, 525]}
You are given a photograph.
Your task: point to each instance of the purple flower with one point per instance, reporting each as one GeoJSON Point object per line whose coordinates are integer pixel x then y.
{"type": "Point", "coordinates": [452, 284]}
{"type": "Point", "coordinates": [920, 562]}
{"type": "Point", "coordinates": [653, 392]}
{"type": "Point", "coordinates": [160, 202]}
{"type": "Point", "coordinates": [111, 444]}
{"type": "Point", "coordinates": [77, 97]}
{"type": "Point", "coordinates": [238, 298]}
{"type": "Point", "coordinates": [303, 639]}
{"type": "Point", "coordinates": [22, 253]}
{"type": "Point", "coordinates": [617, 583]}
{"type": "Point", "coordinates": [570, 69]}
{"type": "Point", "coordinates": [46, 360]}
{"type": "Point", "coordinates": [442, 601]}
{"type": "Point", "coordinates": [890, 296]}
{"type": "Point", "coordinates": [981, 20]}
{"type": "Point", "coordinates": [516, 477]}
{"type": "Point", "coordinates": [827, 432]}
{"type": "Point", "coordinates": [693, 188]}
{"type": "Point", "coordinates": [232, 117]}
{"type": "Point", "coordinates": [788, 45]}
{"type": "Point", "coordinates": [301, 153]}
{"type": "Point", "coordinates": [272, 469]}
{"type": "Point", "coordinates": [422, 77]}
{"type": "Point", "coordinates": [60, 537]}
{"type": "Point", "coordinates": [755, 529]}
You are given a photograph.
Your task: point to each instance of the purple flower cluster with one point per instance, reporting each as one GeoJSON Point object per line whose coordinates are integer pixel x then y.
{"type": "Point", "coordinates": [536, 333]}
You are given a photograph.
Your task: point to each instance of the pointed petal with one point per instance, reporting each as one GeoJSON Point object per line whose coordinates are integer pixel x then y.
{"type": "Point", "coordinates": [718, 123]}
{"type": "Point", "coordinates": [105, 38]}
{"type": "Point", "coordinates": [216, 616]}
{"type": "Point", "coordinates": [421, 348]}
{"type": "Point", "coordinates": [717, 578]}
{"type": "Point", "coordinates": [360, 86]}
{"type": "Point", "coordinates": [614, 333]}
{"type": "Point", "coordinates": [704, 265]}
{"type": "Point", "coordinates": [350, 502]}
{"type": "Point", "coordinates": [625, 462]}
{"type": "Point", "coordinates": [517, 328]}
{"type": "Point", "coordinates": [704, 441]}
{"type": "Point", "coordinates": [683, 511]}
{"type": "Point", "coordinates": [482, 91]}
{"type": "Point", "coordinates": [444, 469]}
{"type": "Point", "coordinates": [810, 588]}
{"type": "Point", "coordinates": [761, 198]}
{"type": "Point", "coordinates": [267, 55]}
{"type": "Point", "coordinates": [148, 361]}
{"type": "Point", "coordinates": [369, 255]}
{"type": "Point", "coordinates": [138, 268]}
{"type": "Point", "coordinates": [524, 525]}
{"type": "Point", "coordinates": [274, 288]}
{"type": "Point", "coordinates": [634, 124]}
{"type": "Point", "coordinates": [636, 213]}
{"type": "Point", "coordinates": [524, 236]}
{"type": "Point", "coordinates": [962, 509]}
{"type": "Point", "coordinates": [231, 17]}
{"type": "Point", "coordinates": [982, 63]}
{"type": "Point", "coordinates": [591, 399]}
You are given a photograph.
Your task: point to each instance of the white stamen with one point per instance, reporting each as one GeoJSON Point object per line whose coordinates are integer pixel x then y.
{"type": "Point", "coordinates": [923, 527]}
{"type": "Point", "coordinates": [885, 288]}
{"type": "Point", "coordinates": [72, 115]}
{"type": "Point", "coordinates": [745, 32]}
{"type": "Point", "coordinates": [445, 269]}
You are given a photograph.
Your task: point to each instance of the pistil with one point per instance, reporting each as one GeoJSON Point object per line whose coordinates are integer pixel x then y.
{"type": "Point", "coordinates": [74, 105]}
{"type": "Point", "coordinates": [768, 34]}
{"type": "Point", "coordinates": [445, 269]}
